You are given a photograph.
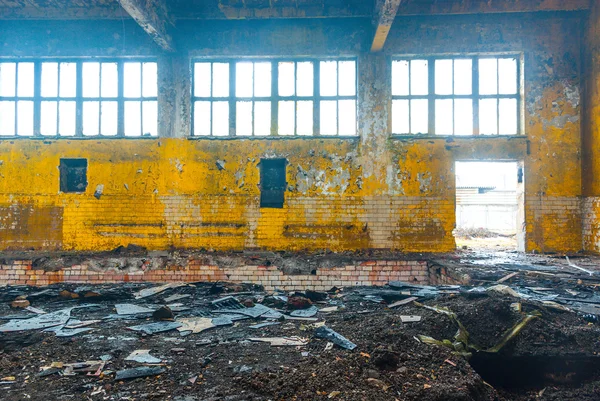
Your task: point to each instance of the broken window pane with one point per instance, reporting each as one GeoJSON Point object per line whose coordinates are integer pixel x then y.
{"type": "Point", "coordinates": [286, 118]}
{"type": "Point", "coordinates": [109, 118]}
{"type": "Point", "coordinates": [419, 116]}
{"type": "Point", "coordinates": [507, 73]}
{"type": "Point", "coordinates": [67, 120]}
{"type": "Point", "coordinates": [463, 77]}
{"type": "Point", "coordinates": [91, 79]}
{"type": "Point", "coordinates": [400, 116]}
{"type": "Point", "coordinates": [443, 77]}
{"type": "Point", "coordinates": [132, 80]}
{"type": "Point", "coordinates": [262, 79]}
{"type": "Point", "coordinates": [49, 80]}
{"type": "Point", "coordinates": [443, 117]}
{"type": "Point", "coordinates": [243, 124]}
{"type": "Point", "coordinates": [8, 76]}
{"type": "Point", "coordinates": [400, 79]}
{"type": "Point", "coordinates": [220, 80]}
{"type": "Point", "coordinates": [347, 78]}
{"type": "Point", "coordinates": [133, 118]}
{"type": "Point", "coordinates": [508, 117]}
{"type": "Point", "coordinates": [48, 118]}
{"type": "Point", "coordinates": [419, 81]}
{"type": "Point", "coordinates": [202, 79]}
{"type": "Point", "coordinates": [26, 78]}
{"type": "Point", "coordinates": [305, 118]}
{"type": "Point", "coordinates": [68, 80]}
{"type": "Point", "coordinates": [150, 118]}
{"type": "Point", "coordinates": [109, 81]}
{"type": "Point", "coordinates": [244, 79]}
{"type": "Point", "coordinates": [149, 79]}
{"type": "Point", "coordinates": [488, 76]}
{"type": "Point", "coordinates": [305, 78]}
{"type": "Point", "coordinates": [202, 118]}
{"type": "Point", "coordinates": [262, 118]}
{"type": "Point", "coordinates": [347, 117]}
{"type": "Point", "coordinates": [25, 118]}
{"type": "Point", "coordinates": [329, 118]}
{"type": "Point", "coordinates": [328, 78]}
{"type": "Point", "coordinates": [7, 117]}
{"type": "Point", "coordinates": [287, 79]}
{"type": "Point", "coordinates": [220, 119]}
{"type": "Point", "coordinates": [463, 117]}
{"type": "Point", "coordinates": [488, 117]}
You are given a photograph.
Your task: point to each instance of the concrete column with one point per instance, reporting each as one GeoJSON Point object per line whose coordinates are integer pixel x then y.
{"type": "Point", "coordinates": [174, 96]}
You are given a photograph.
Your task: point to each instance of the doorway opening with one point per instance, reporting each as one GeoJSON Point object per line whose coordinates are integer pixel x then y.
{"type": "Point", "coordinates": [490, 206]}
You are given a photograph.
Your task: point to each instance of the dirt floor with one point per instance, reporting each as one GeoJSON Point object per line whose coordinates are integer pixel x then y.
{"type": "Point", "coordinates": [553, 357]}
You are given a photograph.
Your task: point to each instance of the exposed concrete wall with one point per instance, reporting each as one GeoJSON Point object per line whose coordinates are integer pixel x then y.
{"type": "Point", "coordinates": [372, 192]}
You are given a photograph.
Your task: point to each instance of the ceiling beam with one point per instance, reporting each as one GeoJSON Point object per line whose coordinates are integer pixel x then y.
{"type": "Point", "coordinates": [153, 16]}
{"type": "Point", "coordinates": [385, 13]}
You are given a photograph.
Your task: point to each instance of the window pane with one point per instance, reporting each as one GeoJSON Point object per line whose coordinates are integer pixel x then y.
{"type": "Point", "coordinates": [243, 121]}
{"type": "Point", "coordinates": [150, 118]}
{"type": "Point", "coordinates": [400, 119]}
{"type": "Point", "coordinates": [202, 78]}
{"type": "Point", "coordinates": [49, 79]}
{"type": "Point", "coordinates": [507, 72]}
{"type": "Point", "coordinates": [220, 118]}
{"type": "Point", "coordinates": [463, 117]}
{"type": "Point", "coordinates": [202, 118]}
{"type": "Point", "coordinates": [243, 79]}
{"type": "Point", "coordinates": [262, 79]}
{"type": "Point", "coordinates": [443, 77]}
{"type": "Point", "coordinates": [8, 79]}
{"type": "Point", "coordinates": [68, 80]}
{"type": "Point", "coordinates": [149, 79]}
{"type": "Point", "coordinates": [133, 118]}
{"type": "Point", "coordinates": [419, 116]}
{"type": "Point", "coordinates": [67, 120]}
{"type": "Point", "coordinates": [262, 118]}
{"type": "Point", "coordinates": [220, 80]}
{"type": "Point", "coordinates": [419, 82]}
{"type": "Point", "coordinates": [347, 78]}
{"type": "Point", "coordinates": [286, 118]}
{"type": "Point", "coordinates": [110, 80]}
{"type": "Point", "coordinates": [463, 77]}
{"type": "Point", "coordinates": [488, 118]}
{"type": "Point", "coordinates": [91, 80]}
{"type": "Point", "coordinates": [347, 117]}
{"type": "Point", "coordinates": [91, 118]}
{"type": "Point", "coordinates": [488, 76]}
{"type": "Point", "coordinates": [400, 80]}
{"type": "Point", "coordinates": [26, 74]}
{"type": "Point", "coordinates": [328, 118]}
{"type": "Point", "coordinates": [25, 118]}
{"type": "Point", "coordinates": [7, 117]}
{"type": "Point", "coordinates": [132, 80]}
{"type": "Point", "coordinates": [443, 117]}
{"type": "Point", "coordinates": [304, 80]}
{"type": "Point", "coordinates": [508, 117]}
{"type": "Point", "coordinates": [305, 118]}
{"type": "Point", "coordinates": [328, 78]}
{"type": "Point", "coordinates": [286, 79]}
{"type": "Point", "coordinates": [48, 118]}
{"type": "Point", "coordinates": [108, 118]}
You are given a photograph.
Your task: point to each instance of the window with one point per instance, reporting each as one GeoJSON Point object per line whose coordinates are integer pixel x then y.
{"type": "Point", "coordinates": [78, 98]}
{"type": "Point", "coordinates": [273, 182]}
{"type": "Point", "coordinates": [274, 97]}
{"type": "Point", "coordinates": [73, 175]}
{"type": "Point", "coordinates": [476, 95]}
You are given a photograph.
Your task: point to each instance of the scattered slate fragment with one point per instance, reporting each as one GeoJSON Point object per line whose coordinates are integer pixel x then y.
{"type": "Point", "coordinates": [131, 309]}
{"type": "Point", "coordinates": [310, 312]}
{"type": "Point", "coordinates": [38, 322]}
{"type": "Point", "coordinates": [142, 371]}
{"type": "Point", "coordinates": [143, 356]}
{"type": "Point", "coordinates": [261, 325]}
{"type": "Point", "coordinates": [195, 325]}
{"type": "Point", "coordinates": [281, 341]}
{"type": "Point", "coordinates": [147, 292]}
{"type": "Point", "coordinates": [158, 327]}
{"type": "Point", "coordinates": [402, 302]}
{"type": "Point", "coordinates": [334, 337]}
{"type": "Point", "coordinates": [410, 319]}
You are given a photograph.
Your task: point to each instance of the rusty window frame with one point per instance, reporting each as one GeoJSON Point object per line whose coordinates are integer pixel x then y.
{"type": "Point", "coordinates": [275, 98]}
{"type": "Point", "coordinates": [475, 96]}
{"type": "Point", "coordinates": [79, 100]}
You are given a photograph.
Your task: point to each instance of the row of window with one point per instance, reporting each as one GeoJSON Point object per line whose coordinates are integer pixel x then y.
{"type": "Point", "coordinates": [476, 95]}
